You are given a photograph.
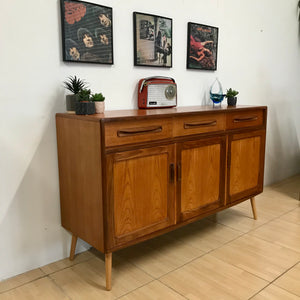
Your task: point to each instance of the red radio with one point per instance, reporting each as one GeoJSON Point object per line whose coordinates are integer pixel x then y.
{"type": "Point", "coordinates": [157, 92]}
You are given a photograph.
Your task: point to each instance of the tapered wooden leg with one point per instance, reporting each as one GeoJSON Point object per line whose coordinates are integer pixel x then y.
{"type": "Point", "coordinates": [108, 264]}
{"type": "Point", "coordinates": [73, 247]}
{"type": "Point", "coordinates": [253, 208]}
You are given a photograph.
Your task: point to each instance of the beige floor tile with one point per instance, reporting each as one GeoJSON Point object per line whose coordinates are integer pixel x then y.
{"type": "Point", "coordinates": [290, 281]}
{"type": "Point", "coordinates": [21, 279]}
{"type": "Point", "coordinates": [65, 263]}
{"type": "Point", "coordinates": [211, 278]}
{"type": "Point", "coordinates": [43, 288]}
{"type": "Point", "coordinates": [276, 203]}
{"type": "Point", "coordinates": [153, 290]}
{"type": "Point", "coordinates": [273, 292]}
{"type": "Point", "coordinates": [161, 255]}
{"type": "Point", "coordinates": [205, 235]}
{"type": "Point", "coordinates": [87, 280]}
{"type": "Point", "coordinates": [280, 232]}
{"type": "Point", "coordinates": [261, 258]}
{"type": "Point", "coordinates": [293, 216]}
{"type": "Point", "coordinates": [289, 186]}
{"type": "Point", "coordinates": [240, 219]}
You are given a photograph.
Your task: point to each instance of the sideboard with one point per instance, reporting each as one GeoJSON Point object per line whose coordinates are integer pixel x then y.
{"type": "Point", "coordinates": [128, 176]}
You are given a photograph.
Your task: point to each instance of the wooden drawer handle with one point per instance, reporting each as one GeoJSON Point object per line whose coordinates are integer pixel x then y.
{"type": "Point", "coordinates": [246, 119]}
{"type": "Point", "coordinates": [200, 124]}
{"type": "Point", "coordinates": [141, 130]}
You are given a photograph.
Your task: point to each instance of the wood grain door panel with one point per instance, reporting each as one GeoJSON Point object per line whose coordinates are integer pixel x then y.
{"type": "Point", "coordinates": [142, 197]}
{"type": "Point", "coordinates": [202, 176]}
{"type": "Point", "coordinates": [245, 164]}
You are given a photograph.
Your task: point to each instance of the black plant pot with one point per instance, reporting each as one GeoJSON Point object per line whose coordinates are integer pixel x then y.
{"type": "Point", "coordinates": [85, 108]}
{"type": "Point", "coordinates": [231, 101]}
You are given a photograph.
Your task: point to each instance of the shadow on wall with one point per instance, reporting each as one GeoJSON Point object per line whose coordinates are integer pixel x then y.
{"type": "Point", "coordinates": [31, 234]}
{"type": "Point", "coordinates": [283, 145]}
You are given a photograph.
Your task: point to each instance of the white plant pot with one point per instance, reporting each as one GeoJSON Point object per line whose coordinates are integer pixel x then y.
{"type": "Point", "coordinates": [99, 105]}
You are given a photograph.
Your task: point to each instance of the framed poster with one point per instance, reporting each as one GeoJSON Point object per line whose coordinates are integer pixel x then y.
{"type": "Point", "coordinates": [202, 46]}
{"type": "Point", "coordinates": [87, 34]}
{"type": "Point", "coordinates": [152, 40]}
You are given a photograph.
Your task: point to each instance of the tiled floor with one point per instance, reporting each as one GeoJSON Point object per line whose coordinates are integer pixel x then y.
{"type": "Point", "coordinates": [225, 256]}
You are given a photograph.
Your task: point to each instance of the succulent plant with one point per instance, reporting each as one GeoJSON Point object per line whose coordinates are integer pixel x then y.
{"type": "Point", "coordinates": [97, 97]}
{"type": "Point", "coordinates": [74, 84]}
{"type": "Point", "coordinates": [231, 93]}
{"type": "Point", "coordinates": [84, 95]}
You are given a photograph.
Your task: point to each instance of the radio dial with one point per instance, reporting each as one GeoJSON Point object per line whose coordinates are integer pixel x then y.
{"type": "Point", "coordinates": [170, 92]}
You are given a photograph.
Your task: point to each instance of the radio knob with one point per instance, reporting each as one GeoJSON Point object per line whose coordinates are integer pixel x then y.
{"type": "Point", "coordinates": [170, 92]}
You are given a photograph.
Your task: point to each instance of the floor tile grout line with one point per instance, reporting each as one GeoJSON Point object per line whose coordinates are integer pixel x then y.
{"type": "Point", "coordinates": [59, 287]}
{"type": "Point", "coordinates": [272, 282]}
{"type": "Point", "coordinates": [123, 295]}
{"type": "Point", "coordinates": [228, 242]}
{"type": "Point", "coordinates": [173, 289]}
{"type": "Point", "coordinates": [267, 222]}
{"type": "Point", "coordinates": [205, 253]}
{"type": "Point", "coordinates": [28, 282]}
{"type": "Point", "coordinates": [256, 293]}
{"type": "Point", "coordinates": [68, 267]}
{"type": "Point", "coordinates": [42, 276]}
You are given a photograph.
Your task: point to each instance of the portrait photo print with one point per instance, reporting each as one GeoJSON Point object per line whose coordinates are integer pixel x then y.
{"type": "Point", "coordinates": [152, 40]}
{"type": "Point", "coordinates": [202, 46]}
{"type": "Point", "coordinates": [86, 32]}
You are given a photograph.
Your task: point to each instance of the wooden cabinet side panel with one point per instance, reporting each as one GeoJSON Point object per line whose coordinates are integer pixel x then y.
{"type": "Point", "coordinates": [79, 160]}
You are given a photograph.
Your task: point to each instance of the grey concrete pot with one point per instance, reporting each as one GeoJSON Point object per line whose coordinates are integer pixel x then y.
{"type": "Point", "coordinates": [70, 103]}
{"type": "Point", "coordinates": [85, 108]}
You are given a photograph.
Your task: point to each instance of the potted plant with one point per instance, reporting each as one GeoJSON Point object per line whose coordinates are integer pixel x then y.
{"type": "Point", "coordinates": [231, 97]}
{"type": "Point", "coordinates": [99, 102]}
{"type": "Point", "coordinates": [84, 106]}
{"type": "Point", "coordinates": [74, 85]}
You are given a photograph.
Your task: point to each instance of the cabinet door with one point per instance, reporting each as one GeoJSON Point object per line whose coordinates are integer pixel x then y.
{"type": "Point", "coordinates": [246, 152]}
{"type": "Point", "coordinates": [201, 176]}
{"type": "Point", "coordinates": [140, 193]}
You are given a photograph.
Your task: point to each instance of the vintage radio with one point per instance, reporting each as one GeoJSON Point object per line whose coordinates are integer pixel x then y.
{"type": "Point", "coordinates": [157, 92]}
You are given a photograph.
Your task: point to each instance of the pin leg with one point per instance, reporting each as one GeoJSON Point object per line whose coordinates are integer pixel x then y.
{"type": "Point", "coordinates": [73, 247]}
{"type": "Point", "coordinates": [253, 208]}
{"type": "Point", "coordinates": [108, 264]}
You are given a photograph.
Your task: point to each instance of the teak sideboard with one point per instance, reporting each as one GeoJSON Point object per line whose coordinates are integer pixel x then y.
{"type": "Point", "coordinates": [128, 176]}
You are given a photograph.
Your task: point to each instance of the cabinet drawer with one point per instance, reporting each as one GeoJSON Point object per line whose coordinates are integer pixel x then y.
{"type": "Point", "coordinates": [199, 124]}
{"type": "Point", "coordinates": [244, 119]}
{"type": "Point", "coordinates": [128, 132]}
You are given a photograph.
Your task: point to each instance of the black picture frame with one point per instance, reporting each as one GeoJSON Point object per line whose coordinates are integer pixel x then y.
{"type": "Point", "coordinates": [87, 32]}
{"type": "Point", "coordinates": [202, 47]}
{"type": "Point", "coordinates": [152, 40]}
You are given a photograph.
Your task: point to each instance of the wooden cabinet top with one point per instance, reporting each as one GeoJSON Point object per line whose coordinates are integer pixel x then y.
{"type": "Point", "coordinates": [135, 114]}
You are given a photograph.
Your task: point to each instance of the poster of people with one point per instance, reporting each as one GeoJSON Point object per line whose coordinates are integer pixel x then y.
{"type": "Point", "coordinates": [152, 40]}
{"type": "Point", "coordinates": [86, 32]}
{"type": "Point", "coordinates": [202, 47]}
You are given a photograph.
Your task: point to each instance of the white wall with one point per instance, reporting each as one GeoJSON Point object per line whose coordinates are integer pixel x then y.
{"type": "Point", "coordinates": [258, 55]}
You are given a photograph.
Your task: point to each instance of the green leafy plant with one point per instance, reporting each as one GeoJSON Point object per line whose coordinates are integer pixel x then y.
{"type": "Point", "coordinates": [74, 84]}
{"type": "Point", "coordinates": [231, 93]}
{"type": "Point", "coordinates": [84, 95]}
{"type": "Point", "coordinates": [97, 97]}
